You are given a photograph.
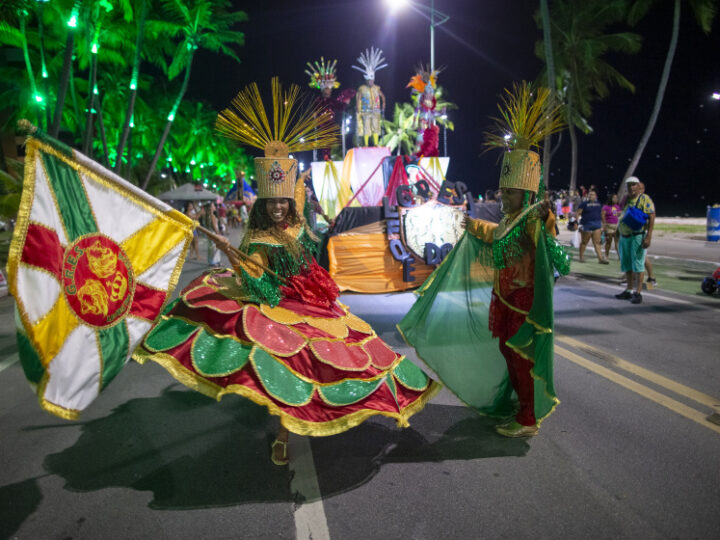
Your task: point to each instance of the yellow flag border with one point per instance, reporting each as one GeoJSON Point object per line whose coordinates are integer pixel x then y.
{"type": "Point", "coordinates": [17, 244]}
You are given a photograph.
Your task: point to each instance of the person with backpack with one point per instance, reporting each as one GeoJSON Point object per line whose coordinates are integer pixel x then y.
{"type": "Point", "coordinates": [635, 227]}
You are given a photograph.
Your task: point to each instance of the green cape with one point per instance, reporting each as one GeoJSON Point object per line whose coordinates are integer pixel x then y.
{"type": "Point", "coordinates": [448, 326]}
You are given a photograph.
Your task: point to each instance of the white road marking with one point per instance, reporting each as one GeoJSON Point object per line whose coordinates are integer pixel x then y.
{"type": "Point", "coordinates": [310, 519]}
{"type": "Point", "coordinates": [9, 361]}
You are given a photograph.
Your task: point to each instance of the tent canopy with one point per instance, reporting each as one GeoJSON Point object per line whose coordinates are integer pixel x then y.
{"type": "Point", "coordinates": [188, 192]}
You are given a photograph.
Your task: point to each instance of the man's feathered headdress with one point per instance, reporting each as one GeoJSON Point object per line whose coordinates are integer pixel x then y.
{"type": "Point", "coordinates": [423, 77]}
{"type": "Point", "coordinates": [527, 116]}
{"type": "Point", "coordinates": [322, 75]}
{"type": "Point", "coordinates": [371, 61]}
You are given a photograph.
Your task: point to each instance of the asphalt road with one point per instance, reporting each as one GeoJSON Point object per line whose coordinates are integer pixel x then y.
{"type": "Point", "coordinates": [629, 453]}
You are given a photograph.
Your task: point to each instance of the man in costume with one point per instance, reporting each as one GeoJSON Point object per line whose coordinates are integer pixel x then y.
{"type": "Point", "coordinates": [322, 77]}
{"type": "Point", "coordinates": [424, 84]}
{"type": "Point", "coordinates": [484, 318]}
{"type": "Point", "coordinates": [635, 229]}
{"type": "Point", "coordinates": [370, 101]}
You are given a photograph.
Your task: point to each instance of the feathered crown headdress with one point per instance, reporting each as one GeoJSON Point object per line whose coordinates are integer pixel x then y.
{"type": "Point", "coordinates": [527, 116]}
{"type": "Point", "coordinates": [297, 125]}
{"type": "Point", "coordinates": [371, 61]}
{"type": "Point", "coordinates": [424, 76]}
{"type": "Point", "coordinates": [322, 75]}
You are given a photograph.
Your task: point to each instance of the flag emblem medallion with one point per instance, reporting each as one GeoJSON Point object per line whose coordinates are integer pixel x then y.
{"type": "Point", "coordinates": [98, 281]}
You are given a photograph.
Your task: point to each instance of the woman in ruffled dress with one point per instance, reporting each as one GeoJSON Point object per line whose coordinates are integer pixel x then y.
{"type": "Point", "coordinates": [272, 329]}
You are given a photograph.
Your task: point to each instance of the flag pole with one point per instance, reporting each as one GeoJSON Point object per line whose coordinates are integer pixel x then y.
{"type": "Point", "coordinates": [215, 238]}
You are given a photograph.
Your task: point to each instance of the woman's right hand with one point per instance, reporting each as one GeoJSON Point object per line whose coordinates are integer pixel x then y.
{"type": "Point", "coordinates": [222, 243]}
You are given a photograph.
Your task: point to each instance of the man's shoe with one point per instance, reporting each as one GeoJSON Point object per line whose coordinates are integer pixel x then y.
{"type": "Point", "coordinates": [625, 295]}
{"type": "Point", "coordinates": [651, 283]}
{"type": "Point", "coordinates": [513, 429]}
{"type": "Point", "coordinates": [636, 298]}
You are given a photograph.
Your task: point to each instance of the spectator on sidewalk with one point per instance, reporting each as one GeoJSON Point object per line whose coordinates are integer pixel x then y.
{"type": "Point", "coordinates": [575, 200]}
{"type": "Point", "coordinates": [635, 238]}
{"type": "Point", "coordinates": [590, 212]}
{"type": "Point", "coordinates": [651, 281]}
{"type": "Point", "coordinates": [192, 212]}
{"type": "Point", "coordinates": [610, 215]}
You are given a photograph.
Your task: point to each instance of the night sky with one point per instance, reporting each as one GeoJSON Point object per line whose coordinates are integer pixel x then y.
{"type": "Point", "coordinates": [486, 45]}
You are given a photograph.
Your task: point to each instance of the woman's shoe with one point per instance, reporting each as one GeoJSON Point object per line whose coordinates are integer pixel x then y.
{"type": "Point", "coordinates": [604, 261]}
{"type": "Point", "coordinates": [279, 457]}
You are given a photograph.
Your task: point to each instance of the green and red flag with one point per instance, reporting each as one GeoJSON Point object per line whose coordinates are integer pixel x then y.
{"type": "Point", "coordinates": [93, 261]}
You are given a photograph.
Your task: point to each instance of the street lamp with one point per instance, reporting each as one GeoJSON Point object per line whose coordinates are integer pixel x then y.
{"type": "Point", "coordinates": [436, 17]}
{"type": "Point", "coordinates": [716, 95]}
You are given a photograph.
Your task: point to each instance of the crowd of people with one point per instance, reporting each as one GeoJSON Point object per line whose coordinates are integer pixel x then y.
{"type": "Point", "coordinates": [613, 223]}
{"type": "Point", "coordinates": [603, 224]}
{"type": "Point", "coordinates": [217, 218]}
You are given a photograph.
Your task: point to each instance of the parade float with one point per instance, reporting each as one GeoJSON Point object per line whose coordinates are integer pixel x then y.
{"type": "Point", "coordinates": [393, 217]}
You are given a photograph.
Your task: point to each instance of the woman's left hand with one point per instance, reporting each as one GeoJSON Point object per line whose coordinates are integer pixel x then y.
{"type": "Point", "coordinates": [543, 209]}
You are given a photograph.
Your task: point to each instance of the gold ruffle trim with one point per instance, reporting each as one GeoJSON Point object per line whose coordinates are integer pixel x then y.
{"type": "Point", "coordinates": [296, 425]}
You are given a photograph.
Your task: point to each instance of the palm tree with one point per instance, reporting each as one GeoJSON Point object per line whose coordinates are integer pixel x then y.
{"type": "Point", "coordinates": [141, 12]}
{"type": "Point", "coordinates": [206, 24]}
{"type": "Point", "coordinates": [100, 46]}
{"type": "Point", "coordinates": [66, 70]}
{"type": "Point", "coordinates": [704, 11]}
{"type": "Point", "coordinates": [400, 133]}
{"type": "Point", "coordinates": [579, 45]}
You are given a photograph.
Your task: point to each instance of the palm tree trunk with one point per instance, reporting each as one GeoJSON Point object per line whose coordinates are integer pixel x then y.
{"type": "Point", "coordinates": [67, 64]}
{"type": "Point", "coordinates": [43, 66]}
{"type": "Point", "coordinates": [133, 91]}
{"type": "Point", "coordinates": [128, 166]}
{"type": "Point", "coordinates": [73, 95]}
{"type": "Point", "coordinates": [103, 138]}
{"type": "Point", "coordinates": [658, 99]}
{"type": "Point", "coordinates": [171, 118]}
{"type": "Point", "coordinates": [550, 68]}
{"type": "Point", "coordinates": [573, 154]}
{"type": "Point", "coordinates": [88, 136]}
{"type": "Point", "coordinates": [3, 161]}
{"type": "Point", "coordinates": [26, 56]}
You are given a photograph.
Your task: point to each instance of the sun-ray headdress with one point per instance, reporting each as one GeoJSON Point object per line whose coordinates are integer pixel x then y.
{"type": "Point", "coordinates": [424, 76]}
{"type": "Point", "coordinates": [297, 124]}
{"type": "Point", "coordinates": [527, 116]}
{"type": "Point", "coordinates": [371, 61]}
{"type": "Point", "coordinates": [322, 75]}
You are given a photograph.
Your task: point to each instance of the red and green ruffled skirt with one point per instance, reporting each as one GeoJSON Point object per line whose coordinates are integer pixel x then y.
{"type": "Point", "coordinates": [322, 370]}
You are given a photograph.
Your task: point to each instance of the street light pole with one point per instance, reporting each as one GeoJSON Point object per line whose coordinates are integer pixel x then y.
{"type": "Point", "coordinates": [436, 17]}
{"type": "Point", "coordinates": [432, 36]}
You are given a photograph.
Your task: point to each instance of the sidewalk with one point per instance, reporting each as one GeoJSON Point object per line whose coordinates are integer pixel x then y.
{"type": "Point", "coordinates": [680, 262]}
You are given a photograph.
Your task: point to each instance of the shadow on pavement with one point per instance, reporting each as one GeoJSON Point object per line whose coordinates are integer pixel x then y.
{"type": "Point", "coordinates": [185, 448]}
{"type": "Point", "coordinates": [17, 502]}
{"type": "Point", "coordinates": [192, 452]}
{"type": "Point", "coordinates": [438, 433]}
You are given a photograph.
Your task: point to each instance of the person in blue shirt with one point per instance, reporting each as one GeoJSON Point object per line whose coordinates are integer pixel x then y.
{"type": "Point", "coordinates": [589, 213]}
{"type": "Point", "coordinates": [635, 238]}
